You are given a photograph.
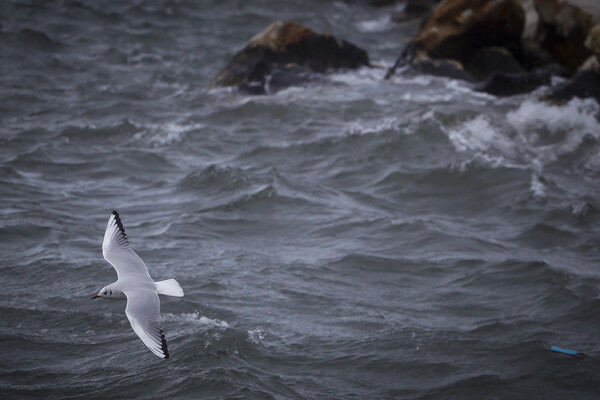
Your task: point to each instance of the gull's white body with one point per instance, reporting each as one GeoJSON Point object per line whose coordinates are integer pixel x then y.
{"type": "Point", "coordinates": [135, 285]}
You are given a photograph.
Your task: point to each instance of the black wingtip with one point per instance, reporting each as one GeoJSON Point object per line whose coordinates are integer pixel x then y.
{"type": "Point", "coordinates": [164, 344]}
{"type": "Point", "coordinates": [119, 223]}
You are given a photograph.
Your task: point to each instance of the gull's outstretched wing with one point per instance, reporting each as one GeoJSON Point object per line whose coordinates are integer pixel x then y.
{"type": "Point", "coordinates": [116, 249]}
{"type": "Point", "coordinates": [143, 312]}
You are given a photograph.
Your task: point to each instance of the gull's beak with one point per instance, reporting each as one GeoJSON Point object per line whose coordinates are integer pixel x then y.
{"type": "Point", "coordinates": [95, 297]}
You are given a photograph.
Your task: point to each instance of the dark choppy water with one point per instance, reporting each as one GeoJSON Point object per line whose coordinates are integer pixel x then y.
{"type": "Point", "coordinates": [356, 239]}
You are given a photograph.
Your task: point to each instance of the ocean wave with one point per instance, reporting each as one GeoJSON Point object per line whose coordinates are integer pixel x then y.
{"type": "Point", "coordinates": [545, 235]}
{"type": "Point", "coordinates": [546, 123]}
{"type": "Point", "coordinates": [167, 134]}
{"type": "Point", "coordinates": [365, 76]}
{"type": "Point", "coordinates": [38, 40]}
{"type": "Point", "coordinates": [215, 178]}
{"type": "Point", "coordinates": [548, 131]}
{"type": "Point", "coordinates": [258, 195]}
{"type": "Point", "coordinates": [92, 133]}
{"type": "Point", "coordinates": [543, 131]}
{"type": "Point", "coordinates": [488, 180]}
{"type": "Point", "coordinates": [479, 135]}
{"type": "Point", "coordinates": [381, 24]}
{"type": "Point", "coordinates": [22, 234]}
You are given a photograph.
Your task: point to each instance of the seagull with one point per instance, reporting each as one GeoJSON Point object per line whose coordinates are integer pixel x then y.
{"type": "Point", "coordinates": [135, 285]}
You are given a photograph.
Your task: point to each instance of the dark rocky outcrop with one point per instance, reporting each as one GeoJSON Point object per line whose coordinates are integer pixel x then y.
{"type": "Point", "coordinates": [583, 84]}
{"type": "Point", "coordinates": [509, 84]}
{"type": "Point", "coordinates": [442, 67]}
{"type": "Point", "coordinates": [586, 82]}
{"type": "Point", "coordinates": [562, 30]}
{"type": "Point", "coordinates": [458, 30]}
{"type": "Point", "coordinates": [508, 46]}
{"type": "Point", "coordinates": [512, 46]}
{"type": "Point", "coordinates": [592, 42]}
{"type": "Point", "coordinates": [288, 46]}
{"type": "Point", "coordinates": [491, 60]}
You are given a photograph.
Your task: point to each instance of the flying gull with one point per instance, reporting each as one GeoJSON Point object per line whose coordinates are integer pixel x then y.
{"type": "Point", "coordinates": [135, 285]}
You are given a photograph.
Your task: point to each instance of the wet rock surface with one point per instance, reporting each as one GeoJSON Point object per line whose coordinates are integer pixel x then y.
{"type": "Point", "coordinates": [285, 43]}
{"type": "Point", "coordinates": [442, 67]}
{"type": "Point", "coordinates": [562, 30]}
{"type": "Point", "coordinates": [509, 84]}
{"type": "Point", "coordinates": [482, 35]}
{"type": "Point", "coordinates": [490, 60]}
{"type": "Point", "coordinates": [459, 28]}
{"type": "Point", "coordinates": [583, 85]}
{"type": "Point", "coordinates": [510, 46]}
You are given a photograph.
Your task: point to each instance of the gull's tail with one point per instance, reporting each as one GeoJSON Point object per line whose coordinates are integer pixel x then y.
{"type": "Point", "coordinates": [170, 287]}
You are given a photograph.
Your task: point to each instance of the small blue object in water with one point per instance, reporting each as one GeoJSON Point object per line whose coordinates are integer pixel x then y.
{"type": "Point", "coordinates": [568, 352]}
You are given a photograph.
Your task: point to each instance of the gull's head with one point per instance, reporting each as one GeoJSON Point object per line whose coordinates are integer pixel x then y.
{"type": "Point", "coordinates": [104, 292]}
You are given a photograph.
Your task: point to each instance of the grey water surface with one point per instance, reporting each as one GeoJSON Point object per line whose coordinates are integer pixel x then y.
{"type": "Point", "coordinates": [350, 239]}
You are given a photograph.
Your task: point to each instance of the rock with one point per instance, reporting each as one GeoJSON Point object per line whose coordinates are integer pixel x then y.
{"type": "Point", "coordinates": [591, 64]}
{"type": "Point", "coordinates": [509, 84]}
{"type": "Point", "coordinates": [562, 30]}
{"type": "Point", "coordinates": [583, 84]}
{"type": "Point", "coordinates": [490, 60]}
{"type": "Point", "coordinates": [459, 28]}
{"type": "Point", "coordinates": [533, 55]}
{"type": "Point", "coordinates": [586, 82]}
{"type": "Point", "coordinates": [442, 67]}
{"type": "Point", "coordinates": [284, 76]}
{"type": "Point", "coordinates": [531, 19]}
{"type": "Point", "coordinates": [283, 43]}
{"type": "Point", "coordinates": [592, 41]}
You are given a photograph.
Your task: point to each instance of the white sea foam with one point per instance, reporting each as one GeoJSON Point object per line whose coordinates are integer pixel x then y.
{"type": "Point", "coordinates": [166, 134]}
{"type": "Point", "coordinates": [428, 97]}
{"type": "Point", "coordinates": [290, 92]}
{"type": "Point", "coordinates": [256, 335]}
{"type": "Point", "coordinates": [381, 24]}
{"type": "Point", "coordinates": [196, 319]}
{"type": "Point", "coordinates": [577, 114]}
{"type": "Point", "coordinates": [537, 186]}
{"type": "Point", "coordinates": [421, 80]}
{"type": "Point", "coordinates": [535, 134]}
{"type": "Point", "coordinates": [361, 76]}
{"type": "Point", "coordinates": [485, 160]}
{"type": "Point", "coordinates": [145, 58]}
{"type": "Point", "coordinates": [543, 131]}
{"type": "Point", "coordinates": [371, 127]}
{"type": "Point", "coordinates": [479, 135]}
{"type": "Point", "coordinates": [552, 130]}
